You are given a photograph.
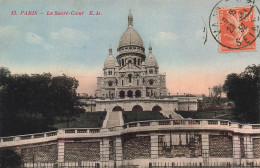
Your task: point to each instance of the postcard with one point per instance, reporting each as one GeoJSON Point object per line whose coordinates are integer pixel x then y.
{"type": "Point", "coordinates": [138, 83]}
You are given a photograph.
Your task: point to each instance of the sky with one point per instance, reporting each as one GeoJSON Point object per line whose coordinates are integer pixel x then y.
{"type": "Point", "coordinates": [77, 45]}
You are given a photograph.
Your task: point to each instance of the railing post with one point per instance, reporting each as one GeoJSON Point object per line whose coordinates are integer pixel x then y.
{"type": "Point", "coordinates": [119, 151]}
{"type": "Point", "coordinates": [205, 148]}
{"type": "Point", "coordinates": [104, 150]}
{"type": "Point", "coordinates": [236, 148]}
{"type": "Point", "coordinates": [154, 146]}
{"type": "Point", "coordinates": [61, 151]}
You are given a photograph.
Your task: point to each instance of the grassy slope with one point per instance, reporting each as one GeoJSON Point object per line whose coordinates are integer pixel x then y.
{"type": "Point", "coordinates": [218, 114]}
{"type": "Point", "coordinates": [131, 116]}
{"type": "Point", "coordinates": [85, 120]}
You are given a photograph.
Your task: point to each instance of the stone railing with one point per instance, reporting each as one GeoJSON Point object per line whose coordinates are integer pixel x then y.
{"type": "Point", "coordinates": [131, 127]}
{"type": "Point", "coordinates": [192, 125]}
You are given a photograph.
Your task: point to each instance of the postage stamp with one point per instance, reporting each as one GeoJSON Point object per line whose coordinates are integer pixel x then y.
{"type": "Point", "coordinates": [235, 26]}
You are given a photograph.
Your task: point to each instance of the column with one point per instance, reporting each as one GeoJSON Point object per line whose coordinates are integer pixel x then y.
{"type": "Point", "coordinates": [236, 149]}
{"type": "Point", "coordinates": [248, 147]}
{"type": "Point", "coordinates": [61, 150]}
{"type": "Point", "coordinates": [119, 151]}
{"type": "Point", "coordinates": [205, 148]}
{"type": "Point", "coordinates": [154, 146]}
{"type": "Point", "coordinates": [104, 152]}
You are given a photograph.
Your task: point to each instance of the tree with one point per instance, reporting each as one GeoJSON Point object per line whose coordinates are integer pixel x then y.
{"type": "Point", "coordinates": [4, 75]}
{"type": "Point", "coordinates": [33, 102]}
{"type": "Point", "coordinates": [242, 89]}
{"type": "Point", "coordinates": [10, 159]}
{"type": "Point", "coordinates": [217, 90]}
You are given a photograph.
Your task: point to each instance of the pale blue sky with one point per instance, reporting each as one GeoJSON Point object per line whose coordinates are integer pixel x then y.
{"type": "Point", "coordinates": [78, 45]}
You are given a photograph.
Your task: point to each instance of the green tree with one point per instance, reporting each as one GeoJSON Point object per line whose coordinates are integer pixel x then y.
{"type": "Point", "coordinates": [217, 90]}
{"type": "Point", "coordinates": [243, 90]}
{"type": "Point", "coordinates": [10, 159]}
{"type": "Point", "coordinates": [4, 75]}
{"type": "Point", "coordinates": [33, 102]}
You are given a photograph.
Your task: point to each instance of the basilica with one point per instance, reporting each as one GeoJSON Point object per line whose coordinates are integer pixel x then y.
{"type": "Point", "coordinates": [132, 80]}
{"type": "Point", "coordinates": [131, 74]}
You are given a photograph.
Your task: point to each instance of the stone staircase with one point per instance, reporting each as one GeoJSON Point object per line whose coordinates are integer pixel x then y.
{"type": "Point", "coordinates": [173, 114]}
{"type": "Point", "coordinates": [114, 119]}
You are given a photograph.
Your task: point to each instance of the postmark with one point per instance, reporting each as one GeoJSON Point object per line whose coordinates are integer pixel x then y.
{"type": "Point", "coordinates": [235, 25]}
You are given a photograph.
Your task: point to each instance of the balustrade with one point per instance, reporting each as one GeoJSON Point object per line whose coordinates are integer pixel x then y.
{"type": "Point", "coordinates": [171, 124]}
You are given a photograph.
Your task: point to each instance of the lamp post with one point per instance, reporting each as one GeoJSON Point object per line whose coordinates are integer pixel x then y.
{"type": "Point", "coordinates": [188, 102]}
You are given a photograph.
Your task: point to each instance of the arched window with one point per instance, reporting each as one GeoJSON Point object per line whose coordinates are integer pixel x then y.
{"type": "Point", "coordinates": [137, 108]}
{"type": "Point", "coordinates": [138, 93]}
{"type": "Point", "coordinates": [135, 61]}
{"type": "Point", "coordinates": [123, 62]}
{"type": "Point", "coordinates": [151, 82]}
{"type": "Point", "coordinates": [138, 61]}
{"type": "Point", "coordinates": [121, 94]}
{"type": "Point", "coordinates": [157, 108]}
{"type": "Point", "coordinates": [122, 82]}
{"type": "Point", "coordinates": [130, 78]}
{"type": "Point", "coordinates": [117, 108]}
{"type": "Point", "coordinates": [130, 93]}
{"type": "Point", "coordinates": [137, 81]}
{"type": "Point", "coordinates": [130, 64]}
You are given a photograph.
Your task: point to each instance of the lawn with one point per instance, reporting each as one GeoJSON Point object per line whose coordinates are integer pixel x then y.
{"type": "Point", "coordinates": [84, 120]}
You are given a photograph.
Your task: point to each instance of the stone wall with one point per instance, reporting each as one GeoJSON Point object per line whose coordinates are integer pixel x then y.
{"type": "Point", "coordinates": [40, 153]}
{"type": "Point", "coordinates": [220, 146]}
{"type": "Point", "coordinates": [112, 150]}
{"type": "Point", "coordinates": [136, 147]}
{"type": "Point", "coordinates": [128, 104]}
{"type": "Point", "coordinates": [180, 145]}
{"type": "Point", "coordinates": [82, 151]}
{"type": "Point", "coordinates": [256, 147]}
{"type": "Point", "coordinates": [242, 148]}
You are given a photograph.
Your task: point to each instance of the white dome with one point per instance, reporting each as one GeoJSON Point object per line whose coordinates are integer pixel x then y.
{"type": "Point", "coordinates": [110, 61]}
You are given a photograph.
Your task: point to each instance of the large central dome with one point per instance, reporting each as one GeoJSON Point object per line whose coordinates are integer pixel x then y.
{"type": "Point", "coordinates": [130, 36]}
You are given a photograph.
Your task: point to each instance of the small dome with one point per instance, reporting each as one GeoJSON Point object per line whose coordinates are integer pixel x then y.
{"type": "Point", "coordinates": [110, 61]}
{"type": "Point", "coordinates": [151, 61]}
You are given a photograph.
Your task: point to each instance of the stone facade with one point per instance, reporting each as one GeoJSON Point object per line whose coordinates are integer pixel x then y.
{"type": "Point", "coordinates": [135, 78]}
{"type": "Point", "coordinates": [131, 74]}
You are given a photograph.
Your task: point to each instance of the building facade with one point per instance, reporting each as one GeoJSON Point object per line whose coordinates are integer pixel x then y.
{"type": "Point", "coordinates": [132, 81]}
{"type": "Point", "coordinates": [131, 74]}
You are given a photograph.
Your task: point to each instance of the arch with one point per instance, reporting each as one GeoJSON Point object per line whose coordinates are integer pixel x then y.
{"type": "Point", "coordinates": [130, 78]}
{"type": "Point", "coordinates": [117, 108]}
{"type": "Point", "coordinates": [138, 93]}
{"type": "Point", "coordinates": [121, 94]}
{"type": "Point", "coordinates": [156, 108]}
{"type": "Point", "coordinates": [137, 108]}
{"type": "Point", "coordinates": [129, 64]}
{"type": "Point", "coordinates": [130, 93]}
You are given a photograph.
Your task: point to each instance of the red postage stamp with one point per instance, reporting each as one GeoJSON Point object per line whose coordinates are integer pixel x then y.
{"type": "Point", "coordinates": [236, 28]}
